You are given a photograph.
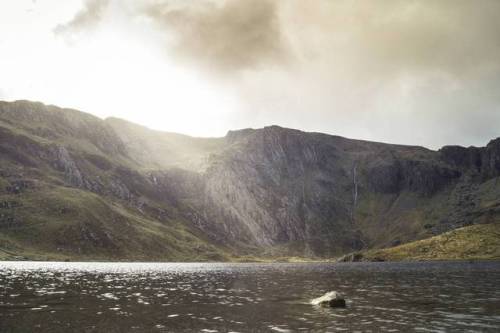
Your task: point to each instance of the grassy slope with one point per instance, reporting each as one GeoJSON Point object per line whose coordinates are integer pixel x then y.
{"type": "Point", "coordinates": [473, 242]}
{"type": "Point", "coordinates": [70, 223]}
{"type": "Point", "coordinates": [51, 219]}
{"type": "Point", "coordinates": [82, 225]}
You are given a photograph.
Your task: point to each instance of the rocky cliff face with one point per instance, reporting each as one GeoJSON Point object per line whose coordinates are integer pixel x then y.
{"type": "Point", "coordinates": [269, 191]}
{"type": "Point", "coordinates": [317, 194]}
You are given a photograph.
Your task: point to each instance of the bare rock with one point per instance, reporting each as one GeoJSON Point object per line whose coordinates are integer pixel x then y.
{"type": "Point", "coordinates": [331, 299]}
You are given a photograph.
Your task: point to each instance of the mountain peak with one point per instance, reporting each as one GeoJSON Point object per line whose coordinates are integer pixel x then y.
{"type": "Point", "coordinates": [236, 135]}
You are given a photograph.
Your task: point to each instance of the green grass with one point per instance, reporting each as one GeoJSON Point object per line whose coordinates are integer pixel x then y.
{"type": "Point", "coordinates": [3, 185]}
{"type": "Point", "coordinates": [473, 242]}
{"type": "Point", "coordinates": [66, 223]}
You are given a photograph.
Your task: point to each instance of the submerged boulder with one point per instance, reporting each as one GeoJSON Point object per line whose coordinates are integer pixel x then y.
{"type": "Point", "coordinates": [331, 299]}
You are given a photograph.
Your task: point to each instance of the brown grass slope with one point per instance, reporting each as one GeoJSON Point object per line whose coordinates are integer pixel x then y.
{"type": "Point", "coordinates": [475, 242]}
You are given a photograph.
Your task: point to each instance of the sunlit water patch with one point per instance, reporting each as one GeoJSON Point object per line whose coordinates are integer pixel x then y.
{"type": "Point", "coordinates": [172, 297]}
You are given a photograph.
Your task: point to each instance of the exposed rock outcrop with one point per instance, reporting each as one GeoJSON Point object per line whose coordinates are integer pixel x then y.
{"type": "Point", "coordinates": [331, 299]}
{"type": "Point", "coordinates": [65, 163]}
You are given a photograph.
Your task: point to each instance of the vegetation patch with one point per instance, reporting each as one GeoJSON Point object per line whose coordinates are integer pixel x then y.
{"type": "Point", "coordinates": [469, 243]}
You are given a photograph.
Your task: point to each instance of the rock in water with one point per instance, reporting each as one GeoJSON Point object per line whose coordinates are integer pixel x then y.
{"type": "Point", "coordinates": [331, 299]}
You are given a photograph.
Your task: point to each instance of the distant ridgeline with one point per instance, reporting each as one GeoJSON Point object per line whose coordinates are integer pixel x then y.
{"type": "Point", "coordinates": [73, 186]}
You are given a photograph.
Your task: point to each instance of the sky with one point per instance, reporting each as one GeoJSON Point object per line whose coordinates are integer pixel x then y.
{"type": "Point", "coordinates": [400, 71]}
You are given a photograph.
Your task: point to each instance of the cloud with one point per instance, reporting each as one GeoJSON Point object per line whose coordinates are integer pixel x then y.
{"type": "Point", "coordinates": [86, 18]}
{"type": "Point", "coordinates": [422, 71]}
{"type": "Point", "coordinates": [216, 36]}
{"type": "Point", "coordinates": [415, 72]}
{"type": "Point", "coordinates": [393, 36]}
{"type": "Point", "coordinates": [379, 37]}
{"type": "Point", "coordinates": [222, 36]}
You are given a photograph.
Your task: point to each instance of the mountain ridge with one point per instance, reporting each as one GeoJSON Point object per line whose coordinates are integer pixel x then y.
{"type": "Point", "coordinates": [260, 192]}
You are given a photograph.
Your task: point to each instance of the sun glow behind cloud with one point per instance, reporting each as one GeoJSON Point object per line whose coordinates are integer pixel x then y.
{"type": "Point", "coordinates": [412, 72]}
{"type": "Point", "coordinates": [117, 70]}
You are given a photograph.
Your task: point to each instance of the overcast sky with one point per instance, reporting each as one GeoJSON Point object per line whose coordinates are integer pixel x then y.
{"type": "Point", "coordinates": [411, 72]}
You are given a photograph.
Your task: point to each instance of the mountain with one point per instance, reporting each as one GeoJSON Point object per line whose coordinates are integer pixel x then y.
{"type": "Point", "coordinates": [75, 186]}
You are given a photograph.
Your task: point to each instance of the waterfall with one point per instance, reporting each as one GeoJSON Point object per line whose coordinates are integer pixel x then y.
{"type": "Point", "coordinates": [355, 190]}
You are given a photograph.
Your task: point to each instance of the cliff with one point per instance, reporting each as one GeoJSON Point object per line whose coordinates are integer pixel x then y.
{"type": "Point", "coordinates": [73, 185]}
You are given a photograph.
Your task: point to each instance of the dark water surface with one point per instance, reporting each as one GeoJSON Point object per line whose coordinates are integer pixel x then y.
{"type": "Point", "coordinates": [172, 297]}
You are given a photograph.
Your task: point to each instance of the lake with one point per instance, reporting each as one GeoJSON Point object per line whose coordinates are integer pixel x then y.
{"type": "Point", "coordinates": [229, 297]}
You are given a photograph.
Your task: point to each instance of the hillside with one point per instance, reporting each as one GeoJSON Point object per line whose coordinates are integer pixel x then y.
{"type": "Point", "coordinates": [69, 189]}
{"type": "Point", "coordinates": [472, 242]}
{"type": "Point", "coordinates": [75, 186]}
